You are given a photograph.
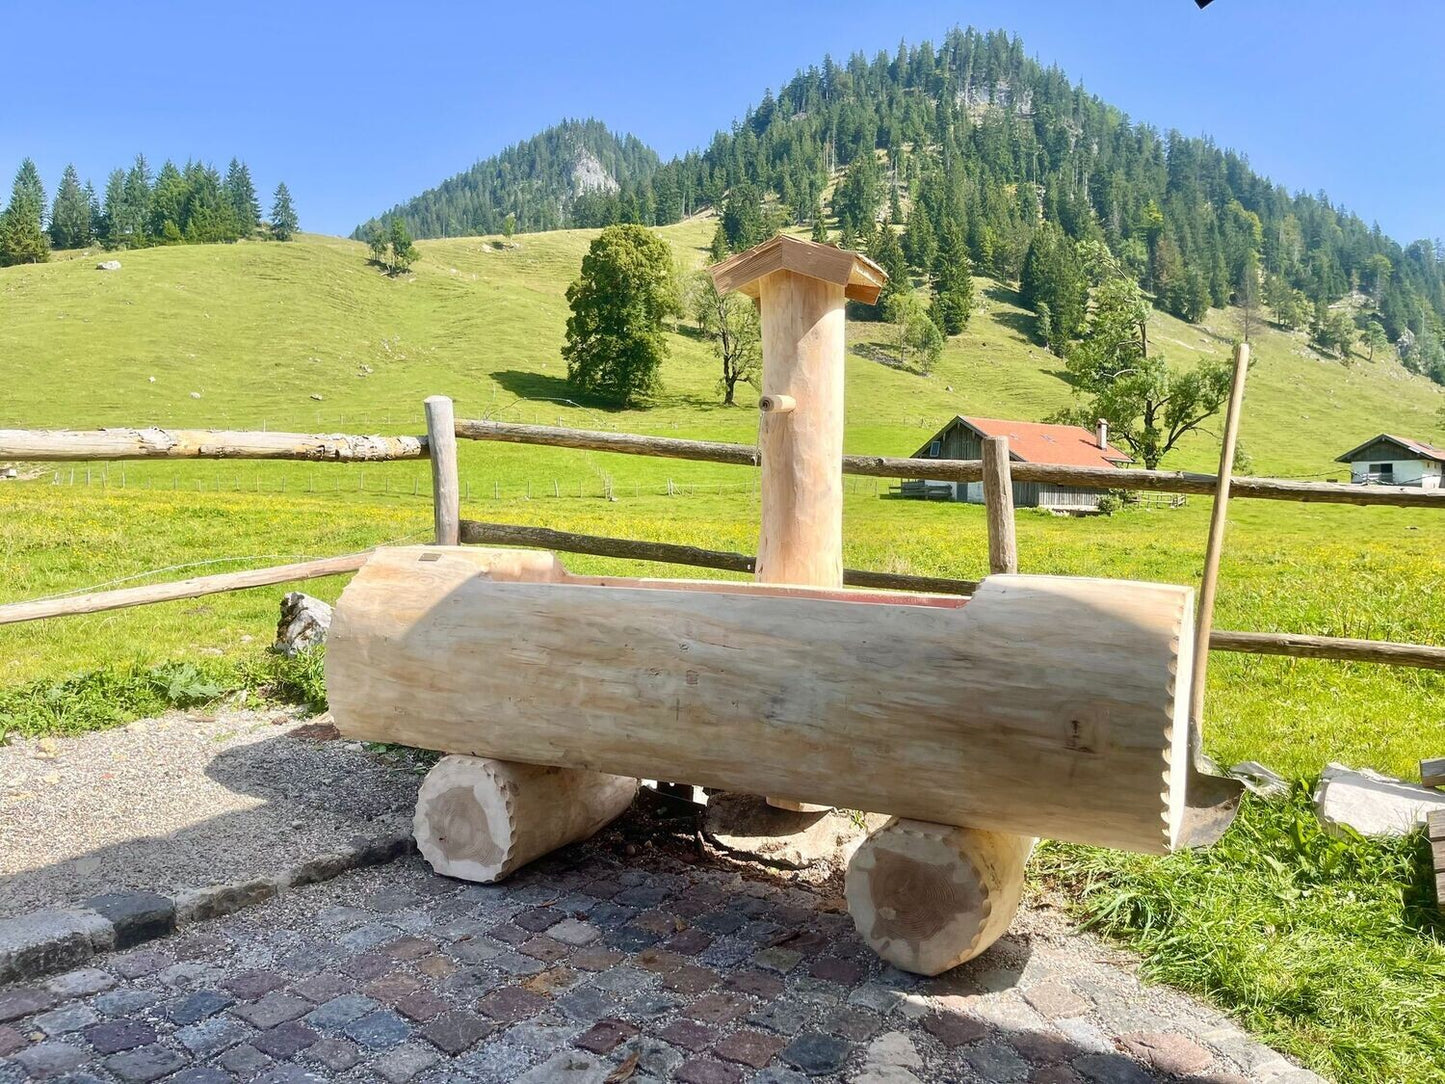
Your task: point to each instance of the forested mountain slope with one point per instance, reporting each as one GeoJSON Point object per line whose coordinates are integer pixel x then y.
{"type": "Point", "coordinates": [975, 136]}
{"type": "Point", "coordinates": [537, 184]}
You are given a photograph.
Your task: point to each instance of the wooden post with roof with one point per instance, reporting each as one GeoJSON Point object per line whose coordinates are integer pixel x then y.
{"type": "Point", "coordinates": [801, 288]}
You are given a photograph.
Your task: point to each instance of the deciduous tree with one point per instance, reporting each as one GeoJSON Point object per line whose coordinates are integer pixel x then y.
{"type": "Point", "coordinates": [731, 322]}
{"type": "Point", "coordinates": [615, 341]}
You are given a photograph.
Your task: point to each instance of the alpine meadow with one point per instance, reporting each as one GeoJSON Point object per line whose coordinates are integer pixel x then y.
{"type": "Point", "coordinates": [1048, 259]}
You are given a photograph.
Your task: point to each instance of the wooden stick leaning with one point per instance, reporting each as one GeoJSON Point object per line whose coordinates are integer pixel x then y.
{"type": "Point", "coordinates": [1214, 548]}
{"type": "Point", "coordinates": [180, 589]}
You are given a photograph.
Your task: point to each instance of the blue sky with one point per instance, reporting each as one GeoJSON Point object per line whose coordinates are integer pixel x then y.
{"type": "Point", "coordinates": [359, 105]}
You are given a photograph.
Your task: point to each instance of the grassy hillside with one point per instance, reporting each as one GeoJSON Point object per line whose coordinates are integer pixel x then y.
{"type": "Point", "coordinates": [1324, 948]}
{"type": "Point", "coordinates": [258, 329]}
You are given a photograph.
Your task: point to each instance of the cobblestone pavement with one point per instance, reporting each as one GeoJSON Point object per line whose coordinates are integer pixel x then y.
{"type": "Point", "coordinates": [586, 968]}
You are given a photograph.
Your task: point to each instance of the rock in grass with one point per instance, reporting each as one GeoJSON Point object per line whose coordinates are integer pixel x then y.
{"type": "Point", "coordinates": [108, 265]}
{"type": "Point", "coordinates": [1372, 804]}
{"type": "Point", "coordinates": [304, 623]}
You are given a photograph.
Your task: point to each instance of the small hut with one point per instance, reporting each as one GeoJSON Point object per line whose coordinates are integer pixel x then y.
{"type": "Point", "coordinates": [1028, 442]}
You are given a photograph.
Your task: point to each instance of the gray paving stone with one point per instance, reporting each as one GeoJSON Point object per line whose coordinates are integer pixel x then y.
{"type": "Point", "coordinates": [50, 1058]}
{"type": "Point", "coordinates": [1111, 1069]}
{"type": "Point", "coordinates": [495, 1063]}
{"type": "Point", "coordinates": [275, 1008]}
{"type": "Point", "coordinates": [378, 1030]}
{"type": "Point", "coordinates": [64, 1020]}
{"type": "Point", "coordinates": [995, 1060]}
{"type": "Point", "coordinates": [340, 1011]}
{"type": "Point", "coordinates": [403, 1062]}
{"type": "Point", "coordinates": [213, 1035]}
{"type": "Point", "coordinates": [50, 940]}
{"type": "Point", "coordinates": [567, 1067]}
{"type": "Point", "coordinates": [112, 1036]}
{"type": "Point", "coordinates": [816, 1054]}
{"type": "Point", "coordinates": [245, 1061]}
{"type": "Point", "coordinates": [81, 982]}
{"type": "Point", "coordinates": [135, 917]}
{"type": "Point", "coordinates": [124, 1002]}
{"type": "Point", "coordinates": [205, 1074]}
{"type": "Point", "coordinates": [197, 1006]}
{"type": "Point", "coordinates": [337, 1055]}
{"type": "Point", "coordinates": [145, 1063]}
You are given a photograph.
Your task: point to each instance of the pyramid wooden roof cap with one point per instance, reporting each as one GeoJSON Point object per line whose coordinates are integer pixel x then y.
{"type": "Point", "coordinates": [860, 277]}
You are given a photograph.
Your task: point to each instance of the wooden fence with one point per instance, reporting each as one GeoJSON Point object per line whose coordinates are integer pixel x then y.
{"type": "Point", "coordinates": [439, 446]}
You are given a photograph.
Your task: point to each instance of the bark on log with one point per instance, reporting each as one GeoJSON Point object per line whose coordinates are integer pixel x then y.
{"type": "Point", "coordinates": [479, 819]}
{"type": "Point", "coordinates": [927, 897]}
{"type": "Point", "coordinates": [927, 706]}
{"type": "Point", "coordinates": [63, 445]}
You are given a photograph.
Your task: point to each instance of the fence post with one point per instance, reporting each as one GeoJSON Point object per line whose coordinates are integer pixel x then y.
{"type": "Point", "coordinates": [441, 433]}
{"type": "Point", "coordinates": [998, 501]}
{"type": "Point", "coordinates": [1214, 549]}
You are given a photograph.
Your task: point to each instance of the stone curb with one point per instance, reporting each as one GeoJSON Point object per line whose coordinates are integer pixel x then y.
{"type": "Point", "coordinates": [60, 938]}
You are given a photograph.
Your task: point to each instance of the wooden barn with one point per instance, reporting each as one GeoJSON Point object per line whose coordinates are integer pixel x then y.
{"type": "Point", "coordinates": [1029, 442]}
{"type": "Point", "coordinates": [1395, 461]}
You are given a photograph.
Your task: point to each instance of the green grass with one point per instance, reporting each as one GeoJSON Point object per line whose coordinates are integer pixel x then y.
{"type": "Point", "coordinates": [258, 329]}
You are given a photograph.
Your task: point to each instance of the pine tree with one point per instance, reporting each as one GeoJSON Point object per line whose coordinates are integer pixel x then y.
{"type": "Point", "coordinates": [820, 227]}
{"type": "Point", "coordinates": [169, 198]}
{"type": "Point", "coordinates": [136, 204]}
{"type": "Point", "coordinates": [284, 223]}
{"type": "Point", "coordinates": [241, 194]}
{"type": "Point", "coordinates": [21, 238]}
{"type": "Point", "coordinates": [27, 188]}
{"type": "Point", "coordinates": [70, 214]}
{"type": "Point", "coordinates": [953, 296]}
{"type": "Point", "coordinates": [920, 241]}
{"type": "Point", "coordinates": [887, 253]}
{"type": "Point", "coordinates": [718, 250]}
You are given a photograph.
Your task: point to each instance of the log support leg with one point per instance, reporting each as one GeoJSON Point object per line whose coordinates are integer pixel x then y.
{"type": "Point", "coordinates": [479, 819]}
{"type": "Point", "coordinates": [927, 897]}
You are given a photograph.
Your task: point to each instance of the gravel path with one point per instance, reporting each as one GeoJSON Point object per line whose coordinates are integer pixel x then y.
{"type": "Point", "coordinates": [186, 800]}
{"type": "Point", "coordinates": [591, 966]}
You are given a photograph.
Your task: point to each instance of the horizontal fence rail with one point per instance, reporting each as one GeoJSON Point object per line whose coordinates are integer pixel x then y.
{"type": "Point", "coordinates": [180, 589]}
{"type": "Point", "coordinates": [94, 444]}
{"type": "Point", "coordinates": [959, 470]}
{"type": "Point", "coordinates": [111, 444]}
{"type": "Point", "coordinates": [509, 534]}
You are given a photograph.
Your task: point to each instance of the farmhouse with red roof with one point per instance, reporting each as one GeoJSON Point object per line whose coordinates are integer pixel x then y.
{"type": "Point", "coordinates": [1028, 442]}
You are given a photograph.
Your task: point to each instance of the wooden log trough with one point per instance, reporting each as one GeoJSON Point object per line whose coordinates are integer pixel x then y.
{"type": "Point", "coordinates": [1040, 706]}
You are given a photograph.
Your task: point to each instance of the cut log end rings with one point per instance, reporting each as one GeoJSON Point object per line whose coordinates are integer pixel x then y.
{"type": "Point", "coordinates": [927, 897]}
{"type": "Point", "coordinates": [479, 819]}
